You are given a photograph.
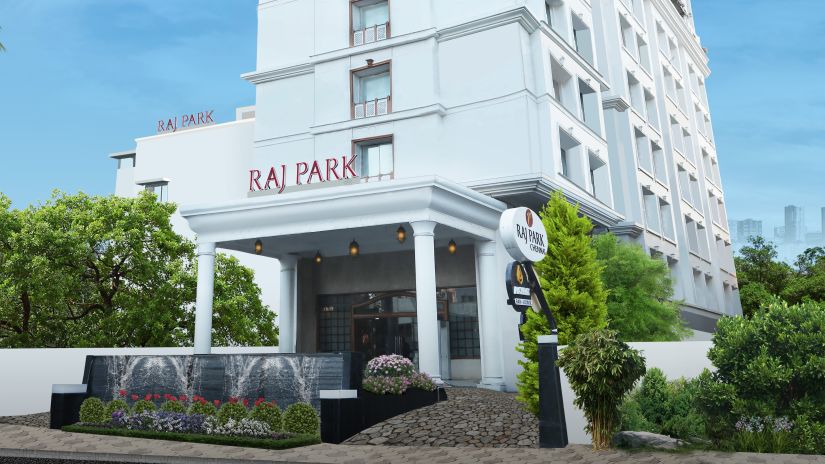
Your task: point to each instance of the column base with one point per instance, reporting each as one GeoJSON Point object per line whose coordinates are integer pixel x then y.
{"type": "Point", "coordinates": [492, 384]}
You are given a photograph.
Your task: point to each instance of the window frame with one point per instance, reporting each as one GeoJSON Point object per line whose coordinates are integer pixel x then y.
{"type": "Point", "coordinates": [352, 5]}
{"type": "Point", "coordinates": [352, 76]}
{"type": "Point", "coordinates": [374, 140]}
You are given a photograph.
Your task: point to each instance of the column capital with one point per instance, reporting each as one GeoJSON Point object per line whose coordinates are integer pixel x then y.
{"type": "Point", "coordinates": [423, 228]}
{"type": "Point", "coordinates": [206, 248]}
{"type": "Point", "coordinates": [486, 247]}
{"type": "Point", "coordinates": [288, 262]}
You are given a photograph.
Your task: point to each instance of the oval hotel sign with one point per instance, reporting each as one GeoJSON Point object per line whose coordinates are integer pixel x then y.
{"type": "Point", "coordinates": [523, 234]}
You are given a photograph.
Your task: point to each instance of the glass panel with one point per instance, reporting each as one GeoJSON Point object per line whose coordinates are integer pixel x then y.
{"type": "Point", "coordinates": [386, 159]}
{"type": "Point", "coordinates": [374, 14]}
{"type": "Point", "coordinates": [374, 87]}
{"type": "Point", "coordinates": [373, 160]}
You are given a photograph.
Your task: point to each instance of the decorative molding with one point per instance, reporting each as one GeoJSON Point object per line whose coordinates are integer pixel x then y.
{"type": "Point", "coordinates": [630, 229]}
{"type": "Point", "coordinates": [559, 40]}
{"type": "Point", "coordinates": [520, 15]}
{"type": "Point", "coordinates": [616, 103]}
{"type": "Point", "coordinates": [435, 108]}
{"type": "Point", "coordinates": [269, 75]}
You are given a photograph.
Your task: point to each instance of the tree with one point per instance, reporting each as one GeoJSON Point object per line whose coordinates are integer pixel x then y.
{"type": "Point", "coordinates": [808, 284]}
{"type": "Point", "coordinates": [760, 274]}
{"type": "Point", "coordinates": [570, 277]}
{"type": "Point", "coordinates": [82, 271]}
{"type": "Point", "coordinates": [640, 292]}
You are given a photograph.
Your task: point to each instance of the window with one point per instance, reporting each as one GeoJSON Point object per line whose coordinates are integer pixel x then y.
{"type": "Point", "coordinates": [670, 85]}
{"type": "Point", "coordinates": [627, 34]}
{"type": "Point", "coordinates": [674, 52]}
{"type": "Point", "coordinates": [370, 21]}
{"type": "Point", "coordinates": [684, 184]}
{"type": "Point", "coordinates": [687, 145]}
{"type": "Point", "coordinates": [659, 167]}
{"type": "Point", "coordinates": [666, 217]}
{"type": "Point", "coordinates": [676, 135]}
{"type": "Point", "coordinates": [634, 88]}
{"type": "Point", "coordinates": [590, 107]}
{"type": "Point", "coordinates": [160, 189]}
{"type": "Point", "coordinates": [598, 177]}
{"type": "Point", "coordinates": [570, 159]}
{"type": "Point", "coordinates": [555, 18]}
{"type": "Point", "coordinates": [638, 10]}
{"type": "Point", "coordinates": [375, 160]}
{"type": "Point", "coordinates": [465, 342]}
{"type": "Point", "coordinates": [702, 233]}
{"type": "Point", "coordinates": [643, 54]}
{"type": "Point", "coordinates": [692, 235]}
{"type": "Point", "coordinates": [651, 210]}
{"type": "Point", "coordinates": [643, 151]}
{"type": "Point", "coordinates": [563, 86]}
{"type": "Point", "coordinates": [371, 91]}
{"type": "Point", "coordinates": [650, 108]}
{"type": "Point", "coordinates": [694, 191]}
{"type": "Point", "coordinates": [582, 39]}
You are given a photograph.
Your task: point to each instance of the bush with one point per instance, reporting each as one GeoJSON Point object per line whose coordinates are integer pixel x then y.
{"type": "Point", "coordinates": [391, 365]}
{"type": "Point", "coordinates": [301, 418]}
{"type": "Point", "coordinates": [203, 407]}
{"type": "Point", "coordinates": [116, 405]}
{"type": "Point", "coordinates": [768, 366]}
{"type": "Point", "coordinates": [234, 411]}
{"type": "Point", "coordinates": [659, 406]}
{"type": "Point", "coordinates": [143, 406]}
{"type": "Point", "coordinates": [808, 437]}
{"type": "Point", "coordinates": [172, 406]}
{"type": "Point", "coordinates": [422, 381]}
{"type": "Point", "coordinates": [601, 370]}
{"type": "Point", "coordinates": [382, 385]}
{"type": "Point", "coordinates": [268, 413]}
{"type": "Point", "coordinates": [93, 411]}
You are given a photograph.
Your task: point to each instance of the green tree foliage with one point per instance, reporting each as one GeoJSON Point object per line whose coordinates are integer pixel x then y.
{"type": "Point", "coordinates": [571, 280]}
{"type": "Point", "coordinates": [84, 271]}
{"type": "Point", "coordinates": [770, 365]}
{"type": "Point", "coordinates": [760, 274]}
{"type": "Point", "coordinates": [662, 406]}
{"type": "Point", "coordinates": [640, 292]}
{"type": "Point", "coordinates": [808, 284]}
{"type": "Point", "coordinates": [601, 370]}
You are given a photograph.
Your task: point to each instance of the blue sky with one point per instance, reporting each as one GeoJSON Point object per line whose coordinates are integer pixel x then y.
{"type": "Point", "coordinates": [83, 78]}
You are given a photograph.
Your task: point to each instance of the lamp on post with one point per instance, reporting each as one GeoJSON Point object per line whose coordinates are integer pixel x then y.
{"type": "Point", "coordinates": [259, 247]}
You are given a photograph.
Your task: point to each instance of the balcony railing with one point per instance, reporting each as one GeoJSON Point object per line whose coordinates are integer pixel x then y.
{"type": "Point", "coordinates": [371, 34]}
{"type": "Point", "coordinates": [368, 109]}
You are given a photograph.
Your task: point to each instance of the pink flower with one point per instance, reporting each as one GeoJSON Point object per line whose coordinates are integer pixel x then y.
{"type": "Point", "coordinates": [217, 403]}
{"type": "Point", "coordinates": [122, 392]}
{"type": "Point", "coordinates": [135, 397]}
{"type": "Point", "coordinates": [182, 397]}
{"type": "Point", "coordinates": [246, 402]}
{"type": "Point", "coordinates": [157, 396]}
{"type": "Point", "coordinates": [148, 397]}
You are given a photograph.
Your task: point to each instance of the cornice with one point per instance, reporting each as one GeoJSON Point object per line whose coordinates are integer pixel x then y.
{"type": "Point", "coordinates": [259, 77]}
{"type": "Point", "coordinates": [520, 15]}
{"type": "Point", "coordinates": [572, 53]}
{"type": "Point", "coordinates": [615, 103]}
{"type": "Point", "coordinates": [631, 229]}
{"type": "Point", "coordinates": [678, 26]}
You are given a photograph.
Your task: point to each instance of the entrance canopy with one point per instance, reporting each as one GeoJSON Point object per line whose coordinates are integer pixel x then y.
{"type": "Point", "coordinates": [327, 219]}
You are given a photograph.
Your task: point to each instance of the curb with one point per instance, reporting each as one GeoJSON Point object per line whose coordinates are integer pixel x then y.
{"type": "Point", "coordinates": [130, 458]}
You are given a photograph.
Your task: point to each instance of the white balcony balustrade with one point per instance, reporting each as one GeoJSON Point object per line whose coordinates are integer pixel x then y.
{"type": "Point", "coordinates": [371, 108]}
{"type": "Point", "coordinates": [371, 34]}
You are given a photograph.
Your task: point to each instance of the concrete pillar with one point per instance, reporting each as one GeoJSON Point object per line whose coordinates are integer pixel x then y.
{"type": "Point", "coordinates": [205, 295]}
{"type": "Point", "coordinates": [425, 297]}
{"type": "Point", "coordinates": [288, 312]}
{"type": "Point", "coordinates": [488, 278]}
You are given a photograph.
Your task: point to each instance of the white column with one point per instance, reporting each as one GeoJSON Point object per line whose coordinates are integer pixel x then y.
{"type": "Point", "coordinates": [205, 295]}
{"type": "Point", "coordinates": [288, 311]}
{"type": "Point", "coordinates": [492, 376]}
{"type": "Point", "coordinates": [425, 297]}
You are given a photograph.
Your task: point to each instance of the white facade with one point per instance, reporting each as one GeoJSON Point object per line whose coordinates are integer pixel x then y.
{"type": "Point", "coordinates": [454, 110]}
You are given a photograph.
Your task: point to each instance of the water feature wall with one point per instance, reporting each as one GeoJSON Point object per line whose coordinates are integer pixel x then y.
{"type": "Point", "coordinates": [285, 378]}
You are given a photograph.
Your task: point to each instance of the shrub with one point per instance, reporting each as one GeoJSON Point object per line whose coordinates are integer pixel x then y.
{"type": "Point", "coordinates": [768, 366]}
{"type": "Point", "coordinates": [659, 406]}
{"type": "Point", "coordinates": [763, 435]}
{"type": "Point", "coordinates": [116, 405]}
{"type": "Point", "coordinates": [203, 407]}
{"type": "Point", "coordinates": [422, 381]}
{"type": "Point", "coordinates": [301, 418]}
{"type": "Point", "coordinates": [808, 437]}
{"type": "Point", "coordinates": [234, 411]}
{"type": "Point", "coordinates": [391, 365]}
{"type": "Point", "coordinates": [143, 406]}
{"type": "Point", "coordinates": [601, 370]}
{"type": "Point", "coordinates": [93, 411]}
{"type": "Point", "coordinates": [172, 406]}
{"type": "Point", "coordinates": [382, 385]}
{"type": "Point", "coordinates": [268, 413]}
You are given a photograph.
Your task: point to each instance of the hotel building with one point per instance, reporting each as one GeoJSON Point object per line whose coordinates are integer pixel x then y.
{"type": "Point", "coordinates": [366, 184]}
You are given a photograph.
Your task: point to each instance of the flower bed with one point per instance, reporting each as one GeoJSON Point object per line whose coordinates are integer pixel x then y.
{"type": "Point", "coordinates": [276, 442]}
{"type": "Point", "coordinates": [201, 421]}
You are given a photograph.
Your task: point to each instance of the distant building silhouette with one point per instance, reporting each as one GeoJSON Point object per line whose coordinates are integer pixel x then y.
{"type": "Point", "coordinates": [742, 230]}
{"type": "Point", "coordinates": [794, 224]}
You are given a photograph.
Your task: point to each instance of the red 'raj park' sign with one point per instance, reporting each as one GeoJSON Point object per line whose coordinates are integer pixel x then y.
{"type": "Point", "coordinates": [186, 121]}
{"type": "Point", "coordinates": [330, 169]}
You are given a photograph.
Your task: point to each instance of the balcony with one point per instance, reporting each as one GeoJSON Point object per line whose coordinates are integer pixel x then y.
{"type": "Point", "coordinates": [371, 34]}
{"type": "Point", "coordinates": [371, 108]}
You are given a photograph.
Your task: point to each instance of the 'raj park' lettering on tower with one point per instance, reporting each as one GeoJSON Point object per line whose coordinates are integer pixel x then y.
{"type": "Point", "coordinates": [277, 178]}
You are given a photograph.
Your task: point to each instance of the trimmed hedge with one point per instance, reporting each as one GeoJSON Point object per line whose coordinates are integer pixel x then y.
{"type": "Point", "coordinates": [265, 443]}
{"type": "Point", "coordinates": [301, 418]}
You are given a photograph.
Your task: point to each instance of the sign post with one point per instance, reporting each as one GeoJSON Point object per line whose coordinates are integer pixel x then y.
{"type": "Point", "coordinates": [525, 238]}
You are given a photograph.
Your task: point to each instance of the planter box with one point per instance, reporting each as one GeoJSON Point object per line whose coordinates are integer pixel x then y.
{"type": "Point", "coordinates": [343, 418]}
